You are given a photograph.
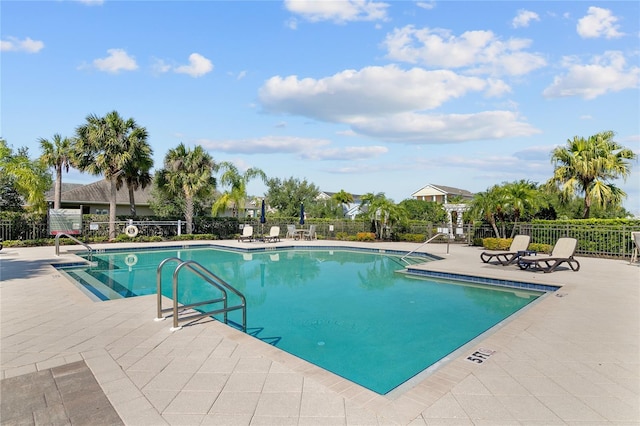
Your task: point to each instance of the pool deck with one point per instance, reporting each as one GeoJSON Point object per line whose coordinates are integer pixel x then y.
{"type": "Point", "coordinates": [572, 358]}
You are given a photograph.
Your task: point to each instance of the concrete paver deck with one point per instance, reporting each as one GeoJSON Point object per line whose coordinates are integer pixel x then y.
{"type": "Point", "coordinates": [571, 358]}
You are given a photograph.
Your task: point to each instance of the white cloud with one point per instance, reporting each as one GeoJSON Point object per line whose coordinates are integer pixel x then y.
{"type": "Point", "coordinates": [118, 60]}
{"type": "Point", "coordinates": [606, 73]}
{"type": "Point", "coordinates": [198, 66]}
{"type": "Point", "coordinates": [497, 88]}
{"type": "Point", "coordinates": [91, 2]}
{"type": "Point", "coordinates": [389, 103]}
{"type": "Point", "coordinates": [523, 18]}
{"type": "Point", "coordinates": [349, 153]}
{"type": "Point", "coordinates": [338, 11]}
{"type": "Point", "coordinates": [13, 44]}
{"type": "Point", "coordinates": [371, 91]}
{"type": "Point", "coordinates": [477, 51]}
{"type": "Point", "coordinates": [598, 23]}
{"type": "Point", "coordinates": [265, 145]}
{"type": "Point", "coordinates": [414, 128]}
{"type": "Point", "coordinates": [426, 4]}
{"type": "Point", "coordinates": [159, 66]}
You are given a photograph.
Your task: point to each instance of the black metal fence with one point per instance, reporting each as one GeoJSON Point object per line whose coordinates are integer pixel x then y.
{"type": "Point", "coordinates": [613, 241]}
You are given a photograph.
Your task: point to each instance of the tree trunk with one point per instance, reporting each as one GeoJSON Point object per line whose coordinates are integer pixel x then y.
{"type": "Point", "coordinates": [189, 214]}
{"type": "Point", "coordinates": [112, 209]}
{"type": "Point", "coordinates": [132, 201]}
{"type": "Point", "coordinates": [495, 228]}
{"type": "Point", "coordinates": [587, 207]}
{"type": "Point", "coordinates": [57, 191]}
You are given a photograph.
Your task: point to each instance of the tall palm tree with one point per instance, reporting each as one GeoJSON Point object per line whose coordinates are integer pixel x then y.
{"type": "Point", "coordinates": [520, 198]}
{"type": "Point", "coordinates": [343, 198]}
{"type": "Point", "coordinates": [383, 212]}
{"type": "Point", "coordinates": [188, 171]}
{"type": "Point", "coordinates": [137, 172]}
{"type": "Point", "coordinates": [57, 154]}
{"type": "Point", "coordinates": [104, 146]}
{"type": "Point", "coordinates": [588, 166]}
{"type": "Point", "coordinates": [485, 205]}
{"type": "Point", "coordinates": [237, 182]}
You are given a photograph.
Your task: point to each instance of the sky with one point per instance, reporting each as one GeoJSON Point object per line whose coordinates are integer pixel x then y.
{"type": "Point", "coordinates": [359, 95]}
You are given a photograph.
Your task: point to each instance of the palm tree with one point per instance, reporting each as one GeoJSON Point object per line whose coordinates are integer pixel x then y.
{"type": "Point", "coordinates": [520, 198]}
{"type": "Point", "coordinates": [188, 171]}
{"type": "Point", "coordinates": [57, 154]}
{"type": "Point", "coordinates": [485, 205]}
{"type": "Point", "coordinates": [29, 178]}
{"type": "Point", "coordinates": [237, 192]}
{"type": "Point", "coordinates": [588, 166]}
{"type": "Point", "coordinates": [383, 212]}
{"type": "Point", "coordinates": [343, 198]}
{"type": "Point", "coordinates": [105, 146]}
{"type": "Point", "coordinates": [137, 172]}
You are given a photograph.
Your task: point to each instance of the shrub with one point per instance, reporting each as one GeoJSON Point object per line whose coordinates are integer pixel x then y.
{"type": "Point", "coordinates": [412, 238]}
{"type": "Point", "coordinates": [478, 242]}
{"type": "Point", "coordinates": [497, 243]}
{"type": "Point", "coordinates": [342, 236]}
{"type": "Point", "coordinates": [365, 236]}
{"type": "Point", "coordinates": [541, 248]}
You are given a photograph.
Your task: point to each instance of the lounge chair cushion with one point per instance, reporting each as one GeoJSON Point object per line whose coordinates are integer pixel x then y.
{"type": "Point", "coordinates": [518, 247]}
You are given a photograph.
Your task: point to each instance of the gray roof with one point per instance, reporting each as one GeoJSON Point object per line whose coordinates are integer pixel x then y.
{"type": "Point", "coordinates": [450, 190]}
{"type": "Point", "coordinates": [99, 193]}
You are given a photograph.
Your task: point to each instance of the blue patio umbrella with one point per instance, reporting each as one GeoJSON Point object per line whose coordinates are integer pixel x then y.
{"type": "Point", "coordinates": [301, 213]}
{"type": "Point", "coordinates": [263, 217]}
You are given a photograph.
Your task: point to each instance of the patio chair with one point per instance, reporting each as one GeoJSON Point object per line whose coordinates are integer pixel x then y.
{"type": "Point", "coordinates": [291, 231]}
{"type": "Point", "coordinates": [274, 235]}
{"type": "Point", "coordinates": [517, 249]}
{"type": "Point", "coordinates": [310, 234]}
{"type": "Point", "coordinates": [247, 234]}
{"type": "Point", "coordinates": [562, 252]}
{"type": "Point", "coordinates": [635, 236]}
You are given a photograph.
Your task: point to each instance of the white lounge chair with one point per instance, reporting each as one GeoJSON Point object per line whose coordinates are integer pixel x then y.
{"type": "Point", "coordinates": [274, 235]}
{"type": "Point", "coordinates": [563, 251]}
{"type": "Point", "coordinates": [518, 248]}
{"type": "Point", "coordinates": [247, 234]}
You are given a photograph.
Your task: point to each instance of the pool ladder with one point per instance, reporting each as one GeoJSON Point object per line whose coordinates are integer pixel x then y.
{"type": "Point", "coordinates": [62, 234]}
{"type": "Point", "coordinates": [184, 313]}
{"type": "Point", "coordinates": [439, 234]}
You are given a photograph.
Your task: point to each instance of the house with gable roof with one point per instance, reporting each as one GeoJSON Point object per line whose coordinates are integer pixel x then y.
{"type": "Point", "coordinates": [441, 194]}
{"type": "Point", "coordinates": [94, 197]}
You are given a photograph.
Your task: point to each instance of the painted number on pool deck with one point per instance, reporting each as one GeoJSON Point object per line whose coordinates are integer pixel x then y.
{"type": "Point", "coordinates": [480, 356]}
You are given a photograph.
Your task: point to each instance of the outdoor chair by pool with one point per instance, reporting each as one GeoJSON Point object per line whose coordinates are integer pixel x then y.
{"type": "Point", "coordinates": [247, 234]}
{"type": "Point", "coordinates": [311, 233]}
{"type": "Point", "coordinates": [517, 249]}
{"type": "Point", "coordinates": [274, 235]}
{"type": "Point", "coordinates": [562, 252]}
{"type": "Point", "coordinates": [635, 236]}
{"type": "Point", "coordinates": [291, 231]}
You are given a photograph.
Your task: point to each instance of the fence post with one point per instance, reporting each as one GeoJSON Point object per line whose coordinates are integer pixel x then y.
{"type": "Point", "coordinates": [179, 227]}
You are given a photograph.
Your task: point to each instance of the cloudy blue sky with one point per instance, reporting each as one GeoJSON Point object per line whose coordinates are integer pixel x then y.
{"type": "Point", "coordinates": [365, 96]}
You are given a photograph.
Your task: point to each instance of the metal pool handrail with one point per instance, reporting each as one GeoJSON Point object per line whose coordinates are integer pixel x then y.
{"type": "Point", "coordinates": [424, 244]}
{"type": "Point", "coordinates": [62, 234]}
{"type": "Point", "coordinates": [210, 278]}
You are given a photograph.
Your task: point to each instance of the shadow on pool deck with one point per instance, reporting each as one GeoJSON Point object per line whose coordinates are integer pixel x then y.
{"type": "Point", "coordinates": [68, 394]}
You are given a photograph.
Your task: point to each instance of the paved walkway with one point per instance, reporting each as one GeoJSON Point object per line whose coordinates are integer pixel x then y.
{"type": "Point", "coordinates": [571, 358]}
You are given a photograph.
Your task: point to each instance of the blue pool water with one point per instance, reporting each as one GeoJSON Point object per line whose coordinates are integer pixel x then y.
{"type": "Point", "coordinates": [348, 312]}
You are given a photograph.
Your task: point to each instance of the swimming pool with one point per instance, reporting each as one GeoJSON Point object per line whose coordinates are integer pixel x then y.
{"type": "Point", "coordinates": [349, 312]}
